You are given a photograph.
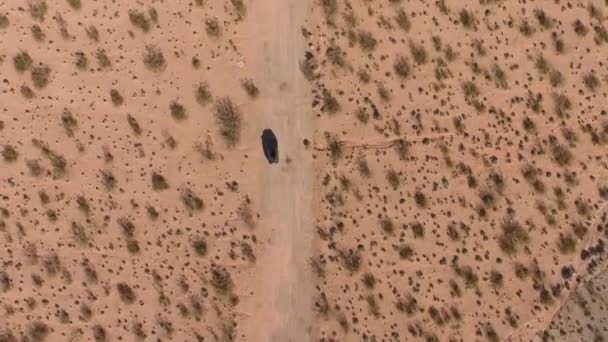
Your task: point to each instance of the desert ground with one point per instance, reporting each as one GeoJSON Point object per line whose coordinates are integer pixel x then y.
{"type": "Point", "coordinates": [442, 175]}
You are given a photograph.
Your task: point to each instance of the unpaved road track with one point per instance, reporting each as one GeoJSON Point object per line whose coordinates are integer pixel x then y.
{"type": "Point", "coordinates": [282, 309]}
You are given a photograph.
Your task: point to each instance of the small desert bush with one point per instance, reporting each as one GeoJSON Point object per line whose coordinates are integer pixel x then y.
{"type": "Point", "coordinates": [102, 59]}
{"type": "Point", "coordinates": [75, 4]}
{"type": "Point", "coordinates": [330, 102]}
{"type": "Point", "coordinates": [418, 230]}
{"type": "Point", "coordinates": [107, 179]}
{"type": "Point", "coordinates": [366, 40]}
{"type": "Point", "coordinates": [562, 105]}
{"type": "Point", "coordinates": [99, 333]}
{"type": "Point", "coordinates": [363, 168]}
{"type": "Point", "coordinates": [513, 236]}
{"type": "Point", "coordinates": [561, 154]}
{"type": "Point", "coordinates": [387, 225]}
{"type": "Point", "coordinates": [69, 122]}
{"type": "Point", "coordinates": [591, 81]}
{"type": "Point", "coordinates": [467, 19]}
{"type": "Point", "coordinates": [37, 33]}
{"type": "Point", "coordinates": [408, 305]}
{"type": "Point", "coordinates": [134, 124]}
{"type": "Point", "coordinates": [330, 8]}
{"type": "Point", "coordinates": [393, 178]}
{"type": "Point", "coordinates": [403, 20]}
{"type": "Point", "coordinates": [334, 146]}
{"type": "Point", "coordinates": [250, 88]}
{"type": "Point", "coordinates": [351, 260]}
{"type": "Point", "coordinates": [212, 27]}
{"type": "Point", "coordinates": [126, 293]}
{"type": "Point", "coordinates": [40, 75]}
{"type": "Point", "coordinates": [420, 199]}
{"type": "Point", "coordinates": [92, 33]}
{"type": "Point", "coordinates": [555, 78]}
{"type": "Point", "coordinates": [221, 280]}
{"type": "Point", "coordinates": [26, 92]}
{"type": "Point", "coordinates": [4, 22]}
{"type": "Point", "coordinates": [239, 8]}
{"type": "Point", "coordinates": [496, 279]}
{"type": "Point", "coordinates": [38, 9]}
{"type": "Point", "coordinates": [199, 245]}
{"type": "Point", "coordinates": [38, 331]}
{"type": "Point", "coordinates": [543, 19]}
{"type": "Point", "coordinates": [401, 67]}
{"type": "Point", "coordinates": [154, 59]}
{"type": "Point", "coordinates": [405, 251]}
{"type": "Point", "coordinates": [566, 244]}
{"type": "Point", "coordinates": [9, 153]}
{"type": "Point", "coordinates": [228, 117]}
{"type": "Point", "coordinates": [178, 112]}
{"type": "Point", "coordinates": [139, 20]}
{"type": "Point", "coordinates": [159, 182]}
{"type": "Point", "coordinates": [81, 61]}
{"type": "Point", "coordinates": [418, 52]}
{"type": "Point", "coordinates": [525, 28]}
{"type": "Point", "coordinates": [579, 28]}
{"type": "Point", "coordinates": [191, 200]}
{"type": "Point", "coordinates": [116, 98]}
{"type": "Point", "coordinates": [202, 93]}
{"type": "Point", "coordinates": [22, 61]}
{"type": "Point", "coordinates": [308, 66]}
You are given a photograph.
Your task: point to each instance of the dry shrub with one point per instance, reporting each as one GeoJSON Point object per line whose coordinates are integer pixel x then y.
{"type": "Point", "coordinates": [154, 59]}
{"type": "Point", "coordinates": [229, 119]}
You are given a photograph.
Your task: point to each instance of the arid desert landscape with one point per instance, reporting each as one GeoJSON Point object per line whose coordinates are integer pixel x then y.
{"type": "Point", "coordinates": [442, 174]}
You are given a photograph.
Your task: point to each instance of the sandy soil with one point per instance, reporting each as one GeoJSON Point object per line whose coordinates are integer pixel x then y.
{"type": "Point", "coordinates": [443, 170]}
{"type": "Point", "coordinates": [284, 285]}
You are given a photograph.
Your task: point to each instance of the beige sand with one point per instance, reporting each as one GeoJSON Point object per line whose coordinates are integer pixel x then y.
{"type": "Point", "coordinates": [438, 180]}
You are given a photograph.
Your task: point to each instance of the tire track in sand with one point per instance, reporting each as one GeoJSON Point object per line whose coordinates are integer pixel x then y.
{"type": "Point", "coordinates": [282, 303]}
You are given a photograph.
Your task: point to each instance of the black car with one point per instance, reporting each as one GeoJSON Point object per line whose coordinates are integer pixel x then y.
{"type": "Point", "coordinates": [270, 146]}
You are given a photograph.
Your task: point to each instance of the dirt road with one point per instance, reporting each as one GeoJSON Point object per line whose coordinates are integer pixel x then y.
{"type": "Point", "coordinates": [282, 307]}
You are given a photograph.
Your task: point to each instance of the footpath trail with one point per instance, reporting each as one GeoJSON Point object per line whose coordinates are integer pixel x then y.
{"type": "Point", "coordinates": [282, 309]}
